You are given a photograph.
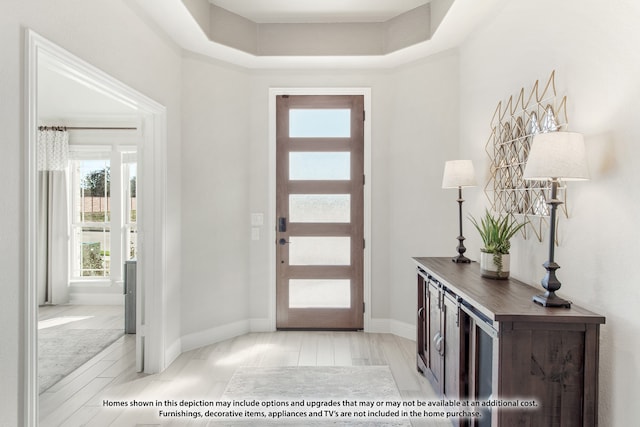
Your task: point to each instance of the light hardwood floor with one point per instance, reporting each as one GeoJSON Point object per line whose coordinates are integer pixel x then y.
{"type": "Point", "coordinates": [204, 373]}
{"type": "Point", "coordinates": [81, 316]}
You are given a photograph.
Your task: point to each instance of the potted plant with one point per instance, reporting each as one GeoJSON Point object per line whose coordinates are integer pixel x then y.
{"type": "Point", "coordinates": [496, 233]}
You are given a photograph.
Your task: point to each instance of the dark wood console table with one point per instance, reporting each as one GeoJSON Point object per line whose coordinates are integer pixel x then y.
{"type": "Point", "coordinates": [484, 340]}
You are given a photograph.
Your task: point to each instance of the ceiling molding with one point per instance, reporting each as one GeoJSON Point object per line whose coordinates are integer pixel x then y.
{"type": "Point", "coordinates": [322, 11]}
{"type": "Point", "coordinates": [248, 44]}
{"type": "Point", "coordinates": [314, 38]}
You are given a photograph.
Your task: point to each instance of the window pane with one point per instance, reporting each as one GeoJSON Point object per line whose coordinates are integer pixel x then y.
{"type": "Point", "coordinates": [320, 208]}
{"type": "Point", "coordinates": [132, 205]}
{"type": "Point", "coordinates": [320, 166]}
{"type": "Point", "coordinates": [130, 191]}
{"type": "Point", "coordinates": [308, 123]}
{"type": "Point", "coordinates": [320, 293]}
{"type": "Point", "coordinates": [94, 203]}
{"type": "Point", "coordinates": [319, 250]}
{"type": "Point", "coordinates": [92, 251]}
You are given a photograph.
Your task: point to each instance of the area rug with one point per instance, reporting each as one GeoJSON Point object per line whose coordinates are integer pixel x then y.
{"type": "Point", "coordinates": [63, 350]}
{"type": "Point", "coordinates": [332, 396]}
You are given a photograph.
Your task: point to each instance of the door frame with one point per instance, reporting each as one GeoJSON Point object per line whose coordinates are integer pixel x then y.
{"type": "Point", "coordinates": [151, 223]}
{"type": "Point", "coordinates": [271, 214]}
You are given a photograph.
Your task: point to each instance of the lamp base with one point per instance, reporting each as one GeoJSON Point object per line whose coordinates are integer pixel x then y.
{"type": "Point", "coordinates": [551, 300]}
{"type": "Point", "coordinates": [461, 259]}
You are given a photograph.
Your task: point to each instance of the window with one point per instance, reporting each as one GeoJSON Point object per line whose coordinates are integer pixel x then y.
{"type": "Point", "coordinates": [103, 188]}
{"type": "Point", "coordinates": [91, 221]}
{"type": "Point", "coordinates": [130, 181]}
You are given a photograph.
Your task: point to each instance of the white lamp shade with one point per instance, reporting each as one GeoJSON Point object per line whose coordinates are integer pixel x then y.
{"type": "Point", "coordinates": [557, 155]}
{"type": "Point", "coordinates": [458, 173]}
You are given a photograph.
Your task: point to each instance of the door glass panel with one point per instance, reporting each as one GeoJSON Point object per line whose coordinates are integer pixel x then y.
{"type": "Point", "coordinates": [319, 250]}
{"type": "Point", "coordinates": [320, 166]}
{"type": "Point", "coordinates": [319, 123]}
{"type": "Point", "coordinates": [320, 208]}
{"type": "Point", "coordinates": [319, 293]}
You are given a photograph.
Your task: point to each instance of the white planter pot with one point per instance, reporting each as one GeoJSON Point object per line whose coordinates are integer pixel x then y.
{"type": "Point", "coordinates": [489, 269]}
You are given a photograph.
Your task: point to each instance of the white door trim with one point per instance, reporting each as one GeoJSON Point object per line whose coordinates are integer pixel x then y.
{"type": "Point", "coordinates": [152, 219]}
{"type": "Point", "coordinates": [271, 215]}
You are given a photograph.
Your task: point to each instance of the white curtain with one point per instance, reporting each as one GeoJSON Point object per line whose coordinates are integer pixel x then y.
{"type": "Point", "coordinates": [53, 219]}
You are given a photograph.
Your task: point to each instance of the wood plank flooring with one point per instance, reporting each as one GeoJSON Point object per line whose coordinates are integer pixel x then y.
{"type": "Point", "coordinates": [204, 373]}
{"type": "Point", "coordinates": [82, 316]}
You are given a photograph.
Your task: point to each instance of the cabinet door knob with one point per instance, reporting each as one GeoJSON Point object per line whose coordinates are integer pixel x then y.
{"type": "Point", "coordinates": [420, 312]}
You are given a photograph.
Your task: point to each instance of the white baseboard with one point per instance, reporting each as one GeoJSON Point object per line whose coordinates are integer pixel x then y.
{"type": "Point", "coordinates": [217, 334]}
{"type": "Point", "coordinates": [172, 352]}
{"type": "Point", "coordinates": [260, 325]}
{"type": "Point", "coordinates": [214, 335]}
{"type": "Point", "coordinates": [378, 326]}
{"type": "Point", "coordinates": [391, 326]}
{"type": "Point", "coordinates": [402, 329]}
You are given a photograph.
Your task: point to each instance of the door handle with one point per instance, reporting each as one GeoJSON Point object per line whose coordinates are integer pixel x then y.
{"type": "Point", "coordinates": [283, 241]}
{"type": "Point", "coordinates": [282, 224]}
{"type": "Point", "coordinates": [437, 341]}
{"type": "Point", "coordinates": [439, 346]}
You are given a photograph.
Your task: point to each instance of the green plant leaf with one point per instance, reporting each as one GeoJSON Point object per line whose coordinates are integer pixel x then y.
{"type": "Point", "coordinates": [496, 232]}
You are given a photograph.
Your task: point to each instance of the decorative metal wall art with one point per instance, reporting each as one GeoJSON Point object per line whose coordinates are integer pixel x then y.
{"type": "Point", "coordinates": [513, 126]}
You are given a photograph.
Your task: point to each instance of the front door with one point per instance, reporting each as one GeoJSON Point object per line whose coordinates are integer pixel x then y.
{"type": "Point", "coordinates": [319, 207]}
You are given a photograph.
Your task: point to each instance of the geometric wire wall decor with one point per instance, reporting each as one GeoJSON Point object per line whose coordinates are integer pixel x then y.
{"type": "Point", "coordinates": [513, 126]}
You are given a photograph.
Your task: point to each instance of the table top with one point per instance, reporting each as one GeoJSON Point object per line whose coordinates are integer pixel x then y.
{"type": "Point", "coordinates": [500, 300]}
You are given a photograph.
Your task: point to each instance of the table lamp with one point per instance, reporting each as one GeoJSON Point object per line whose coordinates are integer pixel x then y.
{"type": "Point", "coordinates": [555, 156]}
{"type": "Point", "coordinates": [458, 174]}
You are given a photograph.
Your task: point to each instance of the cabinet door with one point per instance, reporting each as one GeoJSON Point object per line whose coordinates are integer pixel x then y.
{"type": "Point", "coordinates": [454, 352]}
{"type": "Point", "coordinates": [422, 336]}
{"type": "Point", "coordinates": [483, 348]}
{"type": "Point", "coordinates": [435, 336]}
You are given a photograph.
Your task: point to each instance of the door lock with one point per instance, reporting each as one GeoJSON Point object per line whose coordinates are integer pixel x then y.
{"type": "Point", "coordinates": [282, 224]}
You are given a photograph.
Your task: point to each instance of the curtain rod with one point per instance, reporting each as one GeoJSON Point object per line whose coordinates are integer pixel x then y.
{"type": "Point", "coordinates": [63, 128]}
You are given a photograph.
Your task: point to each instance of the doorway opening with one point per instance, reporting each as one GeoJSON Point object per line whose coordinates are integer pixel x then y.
{"type": "Point", "coordinates": [151, 230]}
{"type": "Point", "coordinates": [82, 250]}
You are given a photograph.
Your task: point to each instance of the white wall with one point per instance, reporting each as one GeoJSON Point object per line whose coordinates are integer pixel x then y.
{"type": "Point", "coordinates": [593, 46]}
{"type": "Point", "coordinates": [226, 130]}
{"type": "Point", "coordinates": [109, 35]}
{"type": "Point", "coordinates": [215, 198]}
{"type": "Point", "coordinates": [423, 216]}
{"type": "Point", "coordinates": [406, 107]}
{"type": "Point", "coordinates": [226, 126]}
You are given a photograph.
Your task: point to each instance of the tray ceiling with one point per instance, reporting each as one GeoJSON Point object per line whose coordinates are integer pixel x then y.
{"type": "Point", "coordinates": [318, 11]}
{"type": "Point", "coordinates": [317, 34]}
